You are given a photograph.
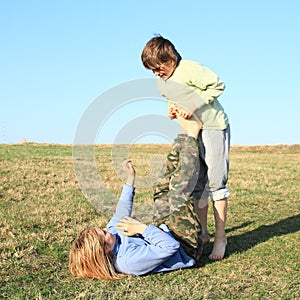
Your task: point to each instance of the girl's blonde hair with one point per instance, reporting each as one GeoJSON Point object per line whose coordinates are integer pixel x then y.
{"type": "Point", "coordinates": [87, 257]}
{"type": "Point", "coordinates": [157, 51]}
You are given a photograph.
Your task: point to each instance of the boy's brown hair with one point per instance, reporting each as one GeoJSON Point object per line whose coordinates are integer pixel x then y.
{"type": "Point", "coordinates": [157, 51]}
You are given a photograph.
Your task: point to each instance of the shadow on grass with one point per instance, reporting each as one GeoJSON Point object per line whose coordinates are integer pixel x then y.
{"type": "Point", "coordinates": [245, 224]}
{"type": "Point", "coordinates": [243, 242]}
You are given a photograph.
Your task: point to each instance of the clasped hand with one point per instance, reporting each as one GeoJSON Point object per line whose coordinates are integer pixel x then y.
{"type": "Point", "coordinates": [175, 111]}
{"type": "Point", "coordinates": [130, 226]}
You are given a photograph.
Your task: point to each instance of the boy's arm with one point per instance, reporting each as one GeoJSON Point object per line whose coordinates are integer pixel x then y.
{"type": "Point", "coordinates": [182, 98]}
{"type": "Point", "coordinates": [204, 87]}
{"type": "Point", "coordinates": [209, 85]}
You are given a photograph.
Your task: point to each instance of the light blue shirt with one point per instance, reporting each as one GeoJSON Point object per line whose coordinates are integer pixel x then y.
{"type": "Point", "coordinates": [154, 251]}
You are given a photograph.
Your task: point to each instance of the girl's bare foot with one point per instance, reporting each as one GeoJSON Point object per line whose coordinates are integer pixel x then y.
{"type": "Point", "coordinates": [192, 126]}
{"type": "Point", "coordinates": [219, 248]}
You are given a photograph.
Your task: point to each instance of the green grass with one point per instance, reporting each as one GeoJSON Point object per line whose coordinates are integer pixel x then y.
{"type": "Point", "coordinates": [42, 209]}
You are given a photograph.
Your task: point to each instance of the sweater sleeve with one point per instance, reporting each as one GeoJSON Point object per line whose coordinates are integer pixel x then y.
{"type": "Point", "coordinates": [142, 258]}
{"type": "Point", "coordinates": [209, 85]}
{"type": "Point", "coordinates": [192, 86]}
{"type": "Point", "coordinates": [124, 207]}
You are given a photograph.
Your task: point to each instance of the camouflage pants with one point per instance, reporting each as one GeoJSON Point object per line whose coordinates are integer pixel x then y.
{"type": "Point", "coordinates": [172, 195]}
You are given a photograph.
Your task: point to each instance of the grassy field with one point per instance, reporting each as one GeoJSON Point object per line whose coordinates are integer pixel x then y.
{"type": "Point", "coordinates": [42, 209]}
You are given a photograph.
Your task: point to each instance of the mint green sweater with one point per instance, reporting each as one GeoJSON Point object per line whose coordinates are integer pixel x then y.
{"type": "Point", "coordinates": [196, 89]}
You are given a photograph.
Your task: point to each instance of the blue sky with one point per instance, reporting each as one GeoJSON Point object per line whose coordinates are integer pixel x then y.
{"type": "Point", "coordinates": [57, 57]}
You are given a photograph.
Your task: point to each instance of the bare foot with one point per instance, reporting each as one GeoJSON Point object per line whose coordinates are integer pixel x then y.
{"type": "Point", "coordinates": [205, 238]}
{"type": "Point", "coordinates": [192, 126]}
{"type": "Point", "coordinates": [219, 248]}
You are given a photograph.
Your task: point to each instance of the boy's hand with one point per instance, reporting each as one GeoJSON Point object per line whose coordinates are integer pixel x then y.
{"type": "Point", "coordinates": [183, 113]}
{"type": "Point", "coordinates": [130, 226]}
{"type": "Point", "coordinates": [172, 112]}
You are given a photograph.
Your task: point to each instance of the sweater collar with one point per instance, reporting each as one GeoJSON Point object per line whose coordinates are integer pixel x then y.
{"type": "Point", "coordinates": [117, 245]}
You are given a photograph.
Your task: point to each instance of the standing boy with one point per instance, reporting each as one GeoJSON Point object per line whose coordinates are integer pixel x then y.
{"type": "Point", "coordinates": [192, 89]}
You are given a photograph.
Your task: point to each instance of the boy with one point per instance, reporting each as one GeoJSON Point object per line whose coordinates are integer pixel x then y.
{"type": "Point", "coordinates": [192, 89]}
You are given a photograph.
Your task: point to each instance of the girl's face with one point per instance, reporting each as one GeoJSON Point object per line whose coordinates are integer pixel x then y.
{"type": "Point", "coordinates": [164, 70]}
{"type": "Point", "coordinates": [108, 239]}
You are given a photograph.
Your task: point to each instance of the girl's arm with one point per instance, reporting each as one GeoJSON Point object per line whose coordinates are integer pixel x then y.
{"type": "Point", "coordinates": [124, 206]}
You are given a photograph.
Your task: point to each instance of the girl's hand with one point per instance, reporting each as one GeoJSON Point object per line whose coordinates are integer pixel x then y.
{"type": "Point", "coordinates": [129, 169]}
{"type": "Point", "coordinates": [130, 226]}
{"type": "Point", "coordinates": [130, 172]}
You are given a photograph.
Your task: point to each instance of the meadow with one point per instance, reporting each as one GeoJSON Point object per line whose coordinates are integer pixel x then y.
{"type": "Point", "coordinates": [42, 209]}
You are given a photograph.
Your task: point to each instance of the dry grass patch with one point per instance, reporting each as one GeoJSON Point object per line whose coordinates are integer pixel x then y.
{"type": "Point", "coordinates": [42, 209]}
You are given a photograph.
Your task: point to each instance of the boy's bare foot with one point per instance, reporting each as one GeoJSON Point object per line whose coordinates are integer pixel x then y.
{"type": "Point", "coordinates": [219, 249]}
{"type": "Point", "coordinates": [205, 238]}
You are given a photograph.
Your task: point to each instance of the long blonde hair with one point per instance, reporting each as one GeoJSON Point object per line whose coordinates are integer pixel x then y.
{"type": "Point", "coordinates": [87, 257]}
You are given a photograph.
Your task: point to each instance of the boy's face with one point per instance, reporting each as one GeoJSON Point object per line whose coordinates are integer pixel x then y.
{"type": "Point", "coordinates": [164, 70]}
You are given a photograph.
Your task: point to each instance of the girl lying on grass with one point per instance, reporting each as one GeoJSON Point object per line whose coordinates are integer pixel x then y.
{"type": "Point", "coordinates": [128, 246]}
